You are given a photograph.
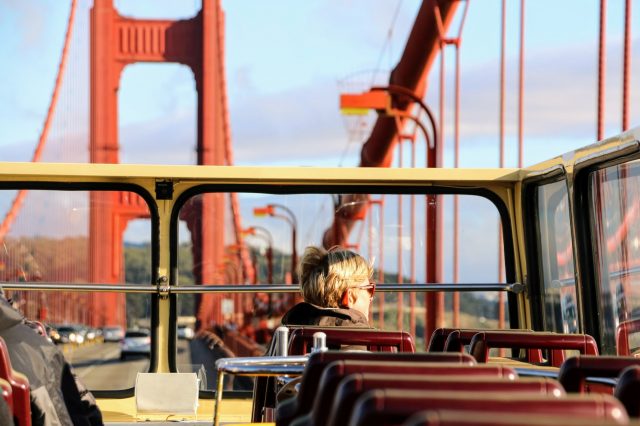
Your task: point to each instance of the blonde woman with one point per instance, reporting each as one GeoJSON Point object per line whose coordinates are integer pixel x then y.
{"type": "Point", "coordinates": [337, 289]}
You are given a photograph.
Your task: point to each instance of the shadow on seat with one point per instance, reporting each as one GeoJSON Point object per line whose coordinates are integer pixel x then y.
{"type": "Point", "coordinates": [355, 385]}
{"type": "Point", "coordinates": [294, 407]}
{"type": "Point", "coordinates": [392, 407]}
{"type": "Point", "coordinates": [338, 370]}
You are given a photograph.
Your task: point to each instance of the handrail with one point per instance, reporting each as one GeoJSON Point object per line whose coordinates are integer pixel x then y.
{"type": "Point", "coordinates": [515, 288]}
{"type": "Point", "coordinates": [264, 366]}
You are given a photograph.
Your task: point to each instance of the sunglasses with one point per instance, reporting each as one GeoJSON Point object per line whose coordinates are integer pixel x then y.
{"type": "Point", "coordinates": [371, 287]}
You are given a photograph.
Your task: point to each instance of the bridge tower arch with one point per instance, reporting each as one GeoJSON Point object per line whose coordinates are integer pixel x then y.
{"type": "Point", "coordinates": [116, 42]}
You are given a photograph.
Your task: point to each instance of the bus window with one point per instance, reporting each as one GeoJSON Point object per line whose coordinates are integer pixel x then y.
{"type": "Point", "coordinates": [615, 210]}
{"type": "Point", "coordinates": [384, 228]}
{"type": "Point", "coordinates": [50, 242]}
{"type": "Point", "coordinates": [555, 254]}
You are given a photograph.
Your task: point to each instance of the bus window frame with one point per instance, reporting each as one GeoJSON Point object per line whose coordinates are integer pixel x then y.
{"type": "Point", "coordinates": [584, 238]}
{"type": "Point", "coordinates": [150, 200]}
{"type": "Point", "coordinates": [531, 227]}
{"type": "Point", "coordinates": [333, 188]}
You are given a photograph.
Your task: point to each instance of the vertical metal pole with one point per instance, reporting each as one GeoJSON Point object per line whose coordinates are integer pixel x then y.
{"type": "Point", "coordinates": [400, 295]}
{"type": "Point", "coordinates": [626, 73]}
{"type": "Point", "coordinates": [456, 137]}
{"type": "Point", "coordinates": [521, 89]}
{"type": "Point", "coordinates": [602, 62]}
{"type": "Point", "coordinates": [502, 114]}
{"type": "Point", "coordinates": [412, 278]}
{"type": "Point", "coordinates": [381, 267]}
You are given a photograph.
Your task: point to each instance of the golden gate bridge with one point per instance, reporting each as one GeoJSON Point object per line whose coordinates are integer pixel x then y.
{"type": "Point", "coordinates": [198, 43]}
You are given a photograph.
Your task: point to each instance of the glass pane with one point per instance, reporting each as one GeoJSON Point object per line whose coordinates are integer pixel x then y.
{"type": "Point", "coordinates": [555, 249]}
{"type": "Point", "coordinates": [615, 204]}
{"type": "Point", "coordinates": [390, 231]}
{"type": "Point", "coordinates": [82, 237]}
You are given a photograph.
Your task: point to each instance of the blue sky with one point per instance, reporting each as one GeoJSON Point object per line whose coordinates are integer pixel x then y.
{"type": "Point", "coordinates": [285, 61]}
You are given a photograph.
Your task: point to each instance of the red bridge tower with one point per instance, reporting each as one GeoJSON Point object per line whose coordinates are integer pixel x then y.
{"type": "Point", "coordinates": [117, 41]}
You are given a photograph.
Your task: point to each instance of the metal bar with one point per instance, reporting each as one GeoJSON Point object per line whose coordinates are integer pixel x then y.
{"type": "Point", "coordinates": [626, 72]}
{"type": "Point", "coordinates": [602, 61]}
{"type": "Point", "coordinates": [232, 288]}
{"type": "Point", "coordinates": [40, 286]}
{"type": "Point", "coordinates": [265, 366]}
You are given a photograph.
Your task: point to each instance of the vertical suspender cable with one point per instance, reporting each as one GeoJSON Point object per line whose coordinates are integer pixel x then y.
{"type": "Point", "coordinates": [626, 67]}
{"type": "Point", "coordinates": [456, 137]}
{"type": "Point", "coordinates": [602, 60]}
{"type": "Point", "coordinates": [400, 313]}
{"type": "Point", "coordinates": [521, 89]}
{"type": "Point", "coordinates": [502, 111]}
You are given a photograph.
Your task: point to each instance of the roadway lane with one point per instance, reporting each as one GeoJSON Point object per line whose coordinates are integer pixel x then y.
{"type": "Point", "coordinates": [99, 366]}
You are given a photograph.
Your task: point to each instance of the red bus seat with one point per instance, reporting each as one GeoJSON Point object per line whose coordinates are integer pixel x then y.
{"type": "Point", "coordinates": [628, 390]}
{"type": "Point", "coordinates": [458, 339]}
{"type": "Point", "coordinates": [301, 339]}
{"type": "Point", "coordinates": [438, 340]}
{"type": "Point", "coordinates": [7, 393]}
{"type": "Point", "coordinates": [556, 342]}
{"type": "Point", "coordinates": [392, 407]}
{"type": "Point", "coordinates": [623, 330]}
{"type": "Point", "coordinates": [19, 387]}
{"type": "Point", "coordinates": [338, 370]}
{"type": "Point", "coordinates": [497, 418]}
{"type": "Point", "coordinates": [355, 385]}
{"type": "Point", "coordinates": [574, 371]}
{"type": "Point", "coordinates": [293, 407]}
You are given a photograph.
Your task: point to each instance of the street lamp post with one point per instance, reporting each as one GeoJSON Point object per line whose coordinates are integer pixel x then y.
{"type": "Point", "coordinates": [266, 236]}
{"type": "Point", "coordinates": [290, 218]}
{"type": "Point", "coordinates": [381, 100]}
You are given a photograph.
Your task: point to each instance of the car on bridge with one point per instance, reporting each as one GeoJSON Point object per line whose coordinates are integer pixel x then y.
{"type": "Point", "coordinates": [135, 343]}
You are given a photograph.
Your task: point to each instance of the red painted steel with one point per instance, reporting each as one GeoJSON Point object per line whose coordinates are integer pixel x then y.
{"type": "Point", "coordinates": [117, 41]}
{"type": "Point", "coordinates": [602, 64]}
{"type": "Point", "coordinates": [626, 71]}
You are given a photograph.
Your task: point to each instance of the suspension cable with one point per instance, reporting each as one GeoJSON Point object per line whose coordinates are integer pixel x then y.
{"type": "Point", "coordinates": [37, 154]}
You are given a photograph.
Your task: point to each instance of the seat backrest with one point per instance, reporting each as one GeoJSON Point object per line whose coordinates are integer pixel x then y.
{"type": "Point", "coordinates": [438, 341]}
{"type": "Point", "coordinates": [353, 386]}
{"type": "Point", "coordinates": [628, 389]}
{"type": "Point", "coordinates": [556, 342]}
{"type": "Point", "coordinates": [338, 370]}
{"type": "Point", "coordinates": [19, 386]}
{"type": "Point", "coordinates": [623, 330]}
{"type": "Point", "coordinates": [574, 371]}
{"type": "Point", "coordinates": [301, 339]}
{"type": "Point", "coordinates": [458, 339]}
{"type": "Point", "coordinates": [497, 418]}
{"type": "Point", "coordinates": [320, 360]}
{"type": "Point", "coordinates": [390, 406]}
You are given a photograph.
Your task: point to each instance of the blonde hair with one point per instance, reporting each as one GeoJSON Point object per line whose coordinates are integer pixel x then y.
{"type": "Point", "coordinates": [326, 275]}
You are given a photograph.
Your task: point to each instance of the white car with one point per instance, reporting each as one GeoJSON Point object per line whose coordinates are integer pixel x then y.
{"type": "Point", "coordinates": [135, 342]}
{"type": "Point", "coordinates": [185, 332]}
{"type": "Point", "coordinates": [112, 333]}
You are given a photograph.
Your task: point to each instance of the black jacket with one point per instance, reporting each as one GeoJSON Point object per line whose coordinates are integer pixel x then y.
{"type": "Point", "coordinates": [308, 314]}
{"type": "Point", "coordinates": [55, 398]}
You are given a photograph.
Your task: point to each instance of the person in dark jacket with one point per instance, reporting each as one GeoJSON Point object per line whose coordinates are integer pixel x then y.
{"type": "Point", "coordinates": [337, 289]}
{"type": "Point", "coordinates": [55, 396]}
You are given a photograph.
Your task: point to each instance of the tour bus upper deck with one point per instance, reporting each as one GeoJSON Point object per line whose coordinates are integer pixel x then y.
{"type": "Point", "coordinates": [549, 245]}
